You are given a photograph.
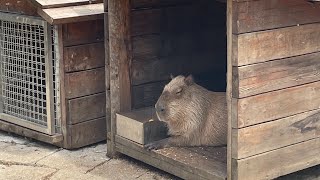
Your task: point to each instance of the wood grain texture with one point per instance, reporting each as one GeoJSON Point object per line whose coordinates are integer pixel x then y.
{"type": "Point", "coordinates": [72, 14]}
{"type": "Point", "coordinates": [61, 3]}
{"type": "Point", "coordinates": [279, 162]}
{"type": "Point", "coordinates": [120, 57]}
{"type": "Point", "coordinates": [272, 135]}
{"type": "Point", "coordinates": [274, 75]}
{"type": "Point", "coordinates": [274, 105]}
{"type": "Point", "coordinates": [188, 163]}
{"type": "Point", "coordinates": [260, 15]}
{"type": "Point", "coordinates": [87, 108]}
{"type": "Point", "coordinates": [85, 83]}
{"type": "Point", "coordinates": [83, 32]}
{"type": "Point", "coordinates": [84, 57]}
{"type": "Point", "coordinates": [88, 132]}
{"type": "Point", "coordinates": [263, 46]}
{"type": "Point", "coordinates": [18, 6]}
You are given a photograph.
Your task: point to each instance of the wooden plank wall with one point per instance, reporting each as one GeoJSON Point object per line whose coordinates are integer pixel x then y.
{"type": "Point", "coordinates": [84, 82]}
{"type": "Point", "coordinates": [276, 87]}
{"type": "Point", "coordinates": [176, 37]}
{"type": "Point", "coordinates": [18, 6]}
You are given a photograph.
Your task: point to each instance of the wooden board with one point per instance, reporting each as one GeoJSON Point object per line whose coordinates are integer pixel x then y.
{"type": "Point", "coordinates": [18, 6]}
{"type": "Point", "coordinates": [140, 126]}
{"type": "Point", "coordinates": [274, 105]}
{"type": "Point", "coordinates": [56, 139]}
{"type": "Point", "coordinates": [72, 14]}
{"type": "Point", "coordinates": [278, 162]}
{"type": "Point", "coordinates": [187, 163]}
{"type": "Point", "coordinates": [260, 15]}
{"type": "Point", "coordinates": [85, 83]}
{"type": "Point", "coordinates": [274, 75]}
{"type": "Point", "coordinates": [88, 132]}
{"type": "Point", "coordinates": [272, 135]}
{"type": "Point", "coordinates": [83, 32]}
{"type": "Point", "coordinates": [43, 4]}
{"type": "Point", "coordinates": [268, 45]}
{"type": "Point", "coordinates": [87, 108]}
{"type": "Point", "coordinates": [84, 57]}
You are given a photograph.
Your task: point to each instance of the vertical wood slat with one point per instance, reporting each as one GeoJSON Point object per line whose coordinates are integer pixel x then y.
{"type": "Point", "coordinates": [49, 78]}
{"type": "Point", "coordinates": [120, 54]}
{"type": "Point", "coordinates": [230, 171]}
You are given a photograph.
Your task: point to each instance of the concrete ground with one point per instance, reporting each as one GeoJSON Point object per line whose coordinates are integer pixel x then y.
{"type": "Point", "coordinates": [24, 159]}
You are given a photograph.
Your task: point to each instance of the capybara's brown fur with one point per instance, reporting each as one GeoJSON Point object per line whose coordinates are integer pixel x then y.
{"type": "Point", "coordinates": [194, 115]}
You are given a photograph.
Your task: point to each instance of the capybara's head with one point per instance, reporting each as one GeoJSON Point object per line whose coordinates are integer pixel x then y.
{"type": "Point", "coordinates": [174, 98]}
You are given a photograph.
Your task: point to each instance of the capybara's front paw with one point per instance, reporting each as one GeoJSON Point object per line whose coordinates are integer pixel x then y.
{"type": "Point", "coordinates": [154, 145]}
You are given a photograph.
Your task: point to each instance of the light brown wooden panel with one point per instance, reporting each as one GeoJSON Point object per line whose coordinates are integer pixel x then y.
{"type": "Point", "coordinates": [88, 132]}
{"type": "Point", "coordinates": [61, 3]}
{"type": "Point", "coordinates": [83, 32]}
{"type": "Point", "coordinates": [87, 108]}
{"type": "Point", "coordinates": [278, 162]}
{"type": "Point", "coordinates": [83, 57]}
{"type": "Point", "coordinates": [260, 15]}
{"type": "Point", "coordinates": [72, 14]}
{"type": "Point", "coordinates": [18, 6]}
{"type": "Point", "coordinates": [272, 135]}
{"type": "Point", "coordinates": [268, 45]}
{"type": "Point", "coordinates": [277, 104]}
{"type": "Point", "coordinates": [273, 75]}
{"type": "Point", "coordinates": [84, 83]}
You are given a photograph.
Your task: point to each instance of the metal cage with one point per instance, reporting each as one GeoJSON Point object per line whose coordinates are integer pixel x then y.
{"type": "Point", "coordinates": [29, 73]}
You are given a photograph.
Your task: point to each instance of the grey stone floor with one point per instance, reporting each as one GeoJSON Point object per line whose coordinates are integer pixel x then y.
{"type": "Point", "coordinates": [25, 159]}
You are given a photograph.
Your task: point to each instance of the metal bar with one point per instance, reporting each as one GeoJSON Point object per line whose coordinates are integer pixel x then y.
{"type": "Point", "coordinates": [22, 19]}
{"type": "Point", "coordinates": [49, 78]}
{"type": "Point", "coordinates": [24, 123]}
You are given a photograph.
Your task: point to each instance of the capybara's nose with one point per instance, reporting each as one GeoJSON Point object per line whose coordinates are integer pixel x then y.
{"type": "Point", "coordinates": [159, 107]}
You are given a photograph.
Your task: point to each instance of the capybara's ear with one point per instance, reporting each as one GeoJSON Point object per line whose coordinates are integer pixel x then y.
{"type": "Point", "coordinates": [189, 80]}
{"type": "Point", "coordinates": [171, 76]}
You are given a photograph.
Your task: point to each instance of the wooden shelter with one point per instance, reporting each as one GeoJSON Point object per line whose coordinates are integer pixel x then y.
{"type": "Point", "coordinates": [269, 50]}
{"type": "Point", "coordinates": [53, 70]}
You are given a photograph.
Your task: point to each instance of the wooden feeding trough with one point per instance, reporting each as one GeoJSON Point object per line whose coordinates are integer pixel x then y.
{"type": "Point", "coordinates": [53, 71]}
{"type": "Point", "coordinates": [270, 53]}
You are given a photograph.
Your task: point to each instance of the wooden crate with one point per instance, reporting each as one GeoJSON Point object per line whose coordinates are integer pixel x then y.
{"type": "Point", "coordinates": [270, 53]}
{"type": "Point", "coordinates": [83, 101]}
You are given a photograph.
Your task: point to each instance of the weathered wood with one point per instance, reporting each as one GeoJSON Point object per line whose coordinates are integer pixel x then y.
{"type": "Point", "coordinates": [309, 173]}
{"type": "Point", "coordinates": [155, 69]}
{"type": "Point", "coordinates": [277, 104]}
{"type": "Point", "coordinates": [72, 14]}
{"type": "Point", "coordinates": [141, 126]}
{"type": "Point", "coordinates": [264, 137]}
{"type": "Point", "coordinates": [56, 139]}
{"type": "Point", "coordinates": [87, 108]}
{"type": "Point", "coordinates": [18, 6]}
{"type": "Point", "coordinates": [147, 94]}
{"type": "Point", "coordinates": [273, 75]}
{"type": "Point", "coordinates": [61, 3]}
{"type": "Point", "coordinates": [260, 15]}
{"type": "Point", "coordinates": [229, 88]}
{"type": "Point", "coordinates": [278, 162]}
{"type": "Point", "coordinates": [84, 57]}
{"type": "Point", "coordinates": [185, 163]}
{"type": "Point", "coordinates": [85, 83]}
{"type": "Point", "coordinates": [88, 132]}
{"type": "Point", "coordinates": [263, 46]}
{"type": "Point", "coordinates": [83, 32]}
{"type": "Point", "coordinates": [120, 51]}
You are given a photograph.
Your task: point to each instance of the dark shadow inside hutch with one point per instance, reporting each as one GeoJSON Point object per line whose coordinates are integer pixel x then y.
{"type": "Point", "coordinates": [179, 38]}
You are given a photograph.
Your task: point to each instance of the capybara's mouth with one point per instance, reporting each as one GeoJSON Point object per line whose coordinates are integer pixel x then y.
{"type": "Point", "coordinates": [158, 116]}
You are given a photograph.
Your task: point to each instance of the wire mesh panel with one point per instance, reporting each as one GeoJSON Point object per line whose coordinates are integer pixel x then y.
{"type": "Point", "coordinates": [29, 82]}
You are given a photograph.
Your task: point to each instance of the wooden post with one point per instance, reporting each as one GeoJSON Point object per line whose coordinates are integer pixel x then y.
{"type": "Point", "coordinates": [120, 56]}
{"type": "Point", "coordinates": [229, 87]}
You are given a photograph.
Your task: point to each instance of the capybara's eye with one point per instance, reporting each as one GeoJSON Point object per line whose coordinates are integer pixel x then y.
{"type": "Point", "coordinates": [179, 91]}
